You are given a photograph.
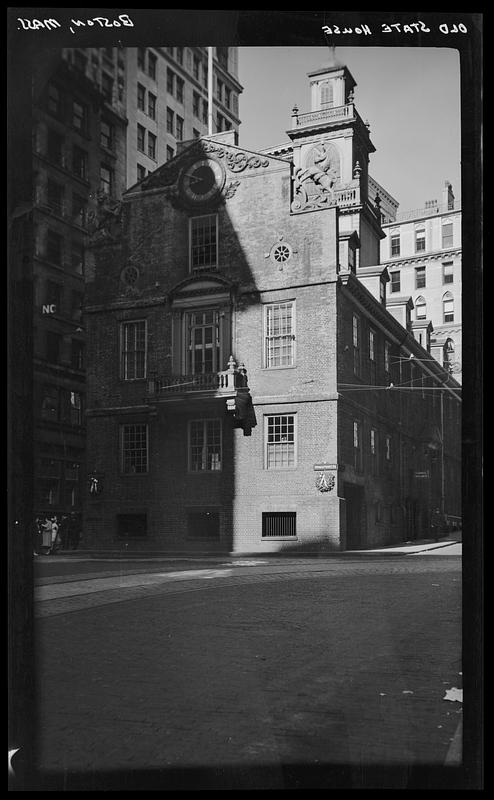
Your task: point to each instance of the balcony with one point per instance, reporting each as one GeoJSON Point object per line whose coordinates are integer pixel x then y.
{"type": "Point", "coordinates": [226, 384]}
{"type": "Point", "coordinates": [324, 115]}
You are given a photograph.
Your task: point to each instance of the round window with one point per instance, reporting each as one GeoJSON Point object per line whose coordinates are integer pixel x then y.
{"type": "Point", "coordinates": [281, 253]}
{"type": "Point", "coordinates": [130, 276]}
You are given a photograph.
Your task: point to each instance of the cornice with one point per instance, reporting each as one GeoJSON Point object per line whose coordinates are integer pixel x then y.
{"type": "Point", "coordinates": [435, 255]}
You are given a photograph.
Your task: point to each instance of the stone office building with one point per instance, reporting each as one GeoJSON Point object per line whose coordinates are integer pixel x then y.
{"type": "Point", "coordinates": [248, 390]}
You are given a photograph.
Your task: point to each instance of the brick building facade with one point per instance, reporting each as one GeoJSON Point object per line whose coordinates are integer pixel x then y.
{"type": "Point", "coordinates": [248, 391]}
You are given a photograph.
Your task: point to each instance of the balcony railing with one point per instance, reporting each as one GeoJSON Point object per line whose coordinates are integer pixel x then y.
{"type": "Point", "coordinates": [428, 211]}
{"type": "Point", "coordinates": [325, 115]}
{"type": "Point", "coordinates": [220, 384]}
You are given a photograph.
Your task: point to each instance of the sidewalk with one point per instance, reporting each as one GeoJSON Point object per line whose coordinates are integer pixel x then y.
{"type": "Point", "coordinates": [453, 545]}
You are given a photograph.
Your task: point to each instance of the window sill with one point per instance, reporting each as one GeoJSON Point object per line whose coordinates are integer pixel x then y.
{"type": "Point", "coordinates": [287, 366]}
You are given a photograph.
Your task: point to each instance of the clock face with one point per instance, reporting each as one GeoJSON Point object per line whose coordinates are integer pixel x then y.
{"type": "Point", "coordinates": [202, 180]}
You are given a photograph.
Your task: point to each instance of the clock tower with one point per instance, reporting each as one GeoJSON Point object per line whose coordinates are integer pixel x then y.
{"type": "Point", "coordinates": [331, 146]}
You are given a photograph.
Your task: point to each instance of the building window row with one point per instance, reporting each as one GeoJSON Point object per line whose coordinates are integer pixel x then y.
{"type": "Point", "coordinates": [174, 85]}
{"type": "Point", "coordinates": [375, 443]}
{"type": "Point", "coordinates": [142, 135]}
{"type": "Point", "coordinates": [146, 61]}
{"type": "Point", "coordinates": [61, 405]}
{"type": "Point", "coordinates": [447, 239]}
{"type": "Point", "coordinates": [53, 246]}
{"type": "Point", "coordinates": [57, 482]}
{"type": "Point", "coordinates": [174, 124]}
{"type": "Point", "coordinates": [205, 447]}
{"type": "Point", "coordinates": [146, 101]}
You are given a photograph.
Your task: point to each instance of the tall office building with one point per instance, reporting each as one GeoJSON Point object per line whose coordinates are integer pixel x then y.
{"type": "Point", "coordinates": [78, 167]}
{"type": "Point", "coordinates": [167, 101]}
{"type": "Point", "coordinates": [422, 251]}
{"type": "Point", "coordinates": [103, 118]}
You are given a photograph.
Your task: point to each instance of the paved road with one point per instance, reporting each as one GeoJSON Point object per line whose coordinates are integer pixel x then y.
{"type": "Point", "coordinates": [250, 669]}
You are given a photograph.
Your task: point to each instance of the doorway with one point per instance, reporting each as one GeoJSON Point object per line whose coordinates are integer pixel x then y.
{"type": "Point", "coordinates": [355, 523]}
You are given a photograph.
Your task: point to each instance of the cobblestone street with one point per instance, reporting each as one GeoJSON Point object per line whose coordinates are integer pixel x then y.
{"type": "Point", "coordinates": [253, 667]}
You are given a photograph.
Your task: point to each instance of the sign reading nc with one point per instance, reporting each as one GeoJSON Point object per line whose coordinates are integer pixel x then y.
{"type": "Point", "coordinates": [49, 309]}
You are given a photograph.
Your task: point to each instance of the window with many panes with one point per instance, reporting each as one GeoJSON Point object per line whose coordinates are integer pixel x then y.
{"type": "Point", "coordinates": [279, 334]}
{"type": "Point", "coordinates": [227, 97]}
{"type": "Point", "coordinates": [141, 136]}
{"type": "Point", "coordinates": [204, 351]}
{"type": "Point", "coordinates": [419, 277]}
{"type": "Point", "coordinates": [372, 356]}
{"type": "Point", "coordinates": [357, 446]}
{"type": "Point", "coordinates": [79, 210]}
{"type": "Point", "coordinates": [373, 451]}
{"type": "Point", "coordinates": [106, 180]}
{"type": "Point", "coordinates": [195, 68]}
{"type": "Point", "coordinates": [205, 445]}
{"type": "Point", "coordinates": [107, 86]}
{"type": "Point", "coordinates": [419, 240]}
{"type": "Point", "coordinates": [204, 242]}
{"type": "Point", "coordinates": [395, 281]}
{"type": "Point", "coordinates": [152, 59]}
{"type": "Point", "coordinates": [134, 448]}
{"type": "Point", "coordinates": [420, 308]}
{"type": "Point", "coordinates": [204, 112]}
{"type": "Point", "coordinates": [133, 343]}
{"type": "Point", "coordinates": [179, 89]}
{"type": "Point", "coordinates": [54, 100]}
{"type": "Point", "coordinates": [77, 354]}
{"type": "Point", "coordinates": [448, 308]}
{"type": "Point", "coordinates": [395, 244]}
{"type": "Point", "coordinates": [50, 403]}
{"type": "Point", "coordinates": [151, 105]}
{"type": "Point", "coordinates": [141, 172]}
{"type": "Point", "coordinates": [79, 162]}
{"type": "Point", "coordinates": [79, 116]}
{"type": "Point", "coordinates": [169, 152]}
{"type": "Point", "coordinates": [447, 234]}
{"type": "Point", "coordinates": [179, 128]}
{"type": "Point", "coordinates": [141, 57]}
{"type": "Point", "coordinates": [141, 97]}
{"type": "Point", "coordinates": [447, 272]}
{"type": "Point", "coordinates": [170, 118]}
{"type": "Point", "coordinates": [280, 441]}
{"type": "Point", "coordinates": [106, 134]}
{"type": "Point", "coordinates": [356, 344]}
{"type": "Point", "coordinates": [387, 358]}
{"type": "Point", "coordinates": [170, 81]}
{"type": "Point", "coordinates": [195, 104]}
{"type": "Point", "coordinates": [151, 145]}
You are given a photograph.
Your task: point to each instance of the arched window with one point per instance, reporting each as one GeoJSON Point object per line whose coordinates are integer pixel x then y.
{"type": "Point", "coordinates": [448, 307]}
{"type": "Point", "coordinates": [327, 99]}
{"type": "Point", "coordinates": [420, 308]}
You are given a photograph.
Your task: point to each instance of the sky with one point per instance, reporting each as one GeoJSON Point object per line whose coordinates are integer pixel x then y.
{"type": "Point", "coordinates": [409, 95]}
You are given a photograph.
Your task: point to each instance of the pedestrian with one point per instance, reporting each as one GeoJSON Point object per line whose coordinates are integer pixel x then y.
{"type": "Point", "coordinates": [37, 537]}
{"type": "Point", "coordinates": [54, 534]}
{"type": "Point", "coordinates": [46, 535]}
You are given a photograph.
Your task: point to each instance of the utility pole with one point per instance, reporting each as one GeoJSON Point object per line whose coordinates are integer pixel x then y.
{"type": "Point", "coordinates": [210, 91]}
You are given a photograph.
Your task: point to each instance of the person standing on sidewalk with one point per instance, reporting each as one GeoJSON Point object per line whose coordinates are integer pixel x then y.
{"type": "Point", "coordinates": [46, 537]}
{"type": "Point", "coordinates": [436, 523]}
